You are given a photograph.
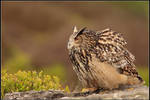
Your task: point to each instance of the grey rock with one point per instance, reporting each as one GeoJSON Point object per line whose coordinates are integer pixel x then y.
{"type": "Point", "coordinates": [137, 92]}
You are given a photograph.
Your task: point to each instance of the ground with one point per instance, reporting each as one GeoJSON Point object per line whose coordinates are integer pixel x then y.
{"type": "Point", "coordinates": [135, 92]}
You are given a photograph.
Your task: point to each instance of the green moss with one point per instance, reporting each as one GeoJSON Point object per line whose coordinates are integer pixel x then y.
{"type": "Point", "coordinates": [29, 80]}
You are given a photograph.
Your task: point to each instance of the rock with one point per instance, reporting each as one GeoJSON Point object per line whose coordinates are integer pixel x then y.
{"type": "Point", "coordinates": [138, 92]}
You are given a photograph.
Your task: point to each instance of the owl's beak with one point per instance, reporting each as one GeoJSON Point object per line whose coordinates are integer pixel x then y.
{"type": "Point", "coordinates": [75, 29]}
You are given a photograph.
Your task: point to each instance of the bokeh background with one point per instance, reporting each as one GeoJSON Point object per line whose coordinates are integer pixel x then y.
{"type": "Point", "coordinates": [35, 34]}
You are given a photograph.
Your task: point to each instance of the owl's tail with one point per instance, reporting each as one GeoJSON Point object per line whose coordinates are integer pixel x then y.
{"type": "Point", "coordinates": [133, 77]}
{"type": "Point", "coordinates": [135, 80]}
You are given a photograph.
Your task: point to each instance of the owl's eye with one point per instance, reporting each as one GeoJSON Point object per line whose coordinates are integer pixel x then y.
{"type": "Point", "coordinates": [78, 39]}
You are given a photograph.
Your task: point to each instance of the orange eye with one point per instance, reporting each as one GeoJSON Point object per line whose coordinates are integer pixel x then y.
{"type": "Point", "coordinates": [78, 39]}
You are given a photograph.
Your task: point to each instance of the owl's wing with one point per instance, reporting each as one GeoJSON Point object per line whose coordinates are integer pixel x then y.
{"type": "Point", "coordinates": [111, 47]}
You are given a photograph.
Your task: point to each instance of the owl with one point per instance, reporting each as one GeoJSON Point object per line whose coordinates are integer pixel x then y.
{"type": "Point", "coordinates": [101, 60]}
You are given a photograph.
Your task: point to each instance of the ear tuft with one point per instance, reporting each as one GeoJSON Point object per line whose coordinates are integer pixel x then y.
{"type": "Point", "coordinates": [75, 29]}
{"type": "Point", "coordinates": [81, 31]}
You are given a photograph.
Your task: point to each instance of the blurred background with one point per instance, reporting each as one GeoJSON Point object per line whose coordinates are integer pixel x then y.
{"type": "Point", "coordinates": [35, 34]}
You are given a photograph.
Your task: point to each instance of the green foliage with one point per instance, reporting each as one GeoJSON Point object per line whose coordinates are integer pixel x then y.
{"type": "Point", "coordinates": [19, 60]}
{"type": "Point", "coordinates": [29, 80]}
{"type": "Point", "coordinates": [143, 71]}
{"type": "Point", "coordinates": [67, 89]}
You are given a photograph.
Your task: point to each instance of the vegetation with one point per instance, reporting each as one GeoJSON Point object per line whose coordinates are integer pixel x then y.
{"type": "Point", "coordinates": [29, 80]}
{"type": "Point", "coordinates": [30, 46]}
{"type": "Point", "coordinates": [33, 80]}
{"type": "Point", "coordinates": [143, 71]}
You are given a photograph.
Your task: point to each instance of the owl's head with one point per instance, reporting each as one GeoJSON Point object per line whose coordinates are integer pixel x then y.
{"type": "Point", "coordinates": [76, 38]}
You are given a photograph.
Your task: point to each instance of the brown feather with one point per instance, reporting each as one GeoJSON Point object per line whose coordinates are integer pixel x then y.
{"type": "Point", "coordinates": [100, 59]}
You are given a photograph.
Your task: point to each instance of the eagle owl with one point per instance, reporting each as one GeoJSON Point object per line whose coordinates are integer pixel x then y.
{"type": "Point", "coordinates": [101, 60]}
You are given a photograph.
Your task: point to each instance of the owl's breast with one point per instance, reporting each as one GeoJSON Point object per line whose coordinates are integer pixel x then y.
{"type": "Point", "coordinates": [94, 73]}
{"type": "Point", "coordinates": [80, 59]}
{"type": "Point", "coordinates": [106, 75]}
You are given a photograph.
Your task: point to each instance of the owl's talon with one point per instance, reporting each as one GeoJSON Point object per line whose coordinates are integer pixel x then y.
{"type": "Point", "coordinates": [88, 89]}
{"type": "Point", "coordinates": [92, 90]}
{"type": "Point", "coordinates": [130, 89]}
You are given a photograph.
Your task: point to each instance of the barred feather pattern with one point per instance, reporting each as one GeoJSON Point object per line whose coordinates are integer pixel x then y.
{"type": "Point", "coordinates": [108, 47]}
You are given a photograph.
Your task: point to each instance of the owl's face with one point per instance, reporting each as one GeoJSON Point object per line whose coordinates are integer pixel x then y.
{"type": "Point", "coordinates": [76, 38]}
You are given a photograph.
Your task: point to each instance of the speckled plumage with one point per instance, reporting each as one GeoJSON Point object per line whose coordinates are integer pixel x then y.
{"type": "Point", "coordinates": [100, 59]}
